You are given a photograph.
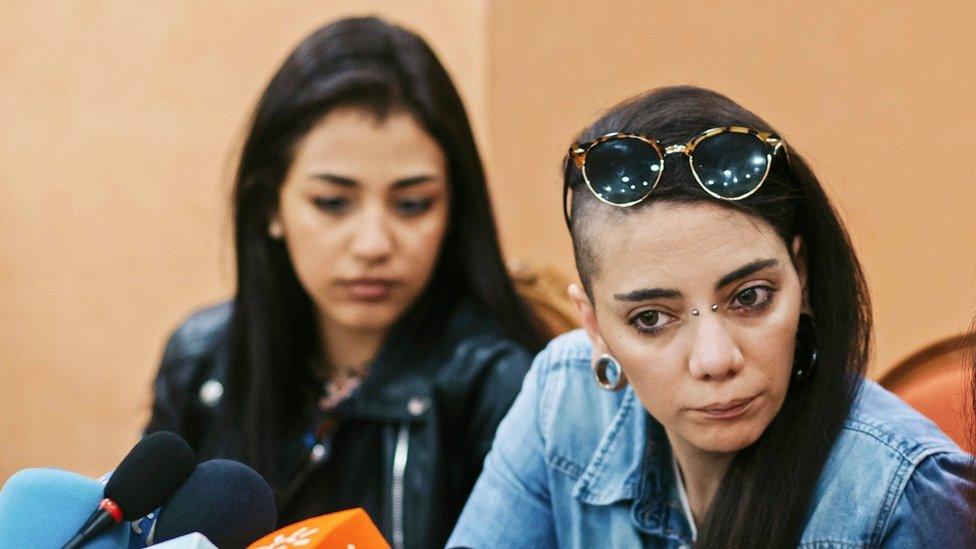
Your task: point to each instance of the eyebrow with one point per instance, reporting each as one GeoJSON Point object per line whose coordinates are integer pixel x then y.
{"type": "Point", "coordinates": [335, 179]}
{"type": "Point", "coordinates": [343, 181]}
{"type": "Point", "coordinates": [744, 271]}
{"type": "Point", "coordinates": [411, 181]}
{"type": "Point", "coordinates": [645, 294]}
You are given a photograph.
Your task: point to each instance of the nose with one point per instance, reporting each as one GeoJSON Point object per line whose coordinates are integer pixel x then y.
{"type": "Point", "coordinates": [372, 238]}
{"type": "Point", "coordinates": [715, 355]}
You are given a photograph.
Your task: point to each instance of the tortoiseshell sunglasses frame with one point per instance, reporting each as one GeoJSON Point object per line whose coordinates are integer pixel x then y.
{"type": "Point", "coordinates": [578, 153]}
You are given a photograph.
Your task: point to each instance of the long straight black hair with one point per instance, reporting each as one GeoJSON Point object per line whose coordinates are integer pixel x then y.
{"type": "Point", "coordinates": [765, 495]}
{"type": "Point", "coordinates": [369, 64]}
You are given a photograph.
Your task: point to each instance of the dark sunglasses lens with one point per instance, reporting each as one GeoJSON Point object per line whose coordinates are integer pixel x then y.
{"type": "Point", "coordinates": [730, 165]}
{"type": "Point", "coordinates": [622, 171]}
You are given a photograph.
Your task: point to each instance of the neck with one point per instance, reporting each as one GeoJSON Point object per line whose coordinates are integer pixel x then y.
{"type": "Point", "coordinates": [347, 351]}
{"type": "Point", "coordinates": [701, 472]}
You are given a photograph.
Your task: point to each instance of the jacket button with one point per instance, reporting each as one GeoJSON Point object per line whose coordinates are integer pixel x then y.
{"type": "Point", "coordinates": [318, 453]}
{"type": "Point", "coordinates": [417, 406]}
{"type": "Point", "coordinates": [211, 392]}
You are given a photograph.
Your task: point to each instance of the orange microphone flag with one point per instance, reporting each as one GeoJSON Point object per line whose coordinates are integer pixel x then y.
{"type": "Point", "coordinates": [350, 529]}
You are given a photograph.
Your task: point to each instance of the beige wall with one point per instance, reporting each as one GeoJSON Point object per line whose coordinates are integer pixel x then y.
{"type": "Point", "coordinates": [119, 120]}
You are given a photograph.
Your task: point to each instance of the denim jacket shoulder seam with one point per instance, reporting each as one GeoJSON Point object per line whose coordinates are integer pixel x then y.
{"type": "Point", "coordinates": [882, 435]}
{"type": "Point", "coordinates": [569, 354]}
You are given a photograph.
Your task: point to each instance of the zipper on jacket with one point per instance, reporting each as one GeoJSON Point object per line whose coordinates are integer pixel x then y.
{"type": "Point", "coordinates": [399, 467]}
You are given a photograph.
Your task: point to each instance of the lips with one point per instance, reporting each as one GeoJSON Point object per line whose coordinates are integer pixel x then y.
{"type": "Point", "coordinates": [728, 409]}
{"type": "Point", "coordinates": [368, 289]}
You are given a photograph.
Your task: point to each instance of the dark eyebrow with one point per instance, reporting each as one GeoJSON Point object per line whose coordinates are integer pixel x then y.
{"type": "Point", "coordinates": [411, 181]}
{"type": "Point", "coordinates": [336, 179]}
{"type": "Point", "coordinates": [645, 294]}
{"type": "Point", "coordinates": [343, 181]}
{"type": "Point", "coordinates": [745, 271]}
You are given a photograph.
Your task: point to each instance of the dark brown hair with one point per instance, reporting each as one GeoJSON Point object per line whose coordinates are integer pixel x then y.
{"type": "Point", "coordinates": [766, 492]}
{"type": "Point", "coordinates": [369, 64]}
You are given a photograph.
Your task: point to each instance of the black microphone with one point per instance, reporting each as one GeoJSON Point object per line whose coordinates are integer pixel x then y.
{"type": "Point", "coordinates": [155, 467]}
{"type": "Point", "coordinates": [226, 501]}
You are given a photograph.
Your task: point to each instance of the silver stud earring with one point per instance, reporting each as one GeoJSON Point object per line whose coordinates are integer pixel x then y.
{"type": "Point", "coordinates": [714, 307]}
{"type": "Point", "coordinates": [608, 373]}
{"type": "Point", "coordinates": [694, 312]}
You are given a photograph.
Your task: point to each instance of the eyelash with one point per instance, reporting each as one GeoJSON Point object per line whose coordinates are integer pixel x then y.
{"type": "Point", "coordinates": [652, 331]}
{"type": "Point", "coordinates": [752, 309]}
{"type": "Point", "coordinates": [407, 207]}
{"type": "Point", "coordinates": [645, 330]}
{"type": "Point", "coordinates": [333, 204]}
{"type": "Point", "coordinates": [413, 208]}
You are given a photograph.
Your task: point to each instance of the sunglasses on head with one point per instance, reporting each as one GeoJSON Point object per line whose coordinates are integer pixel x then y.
{"type": "Point", "coordinates": [729, 163]}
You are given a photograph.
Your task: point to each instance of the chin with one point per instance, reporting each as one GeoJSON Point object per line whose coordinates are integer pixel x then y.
{"type": "Point", "coordinates": [368, 317]}
{"type": "Point", "coordinates": [724, 439]}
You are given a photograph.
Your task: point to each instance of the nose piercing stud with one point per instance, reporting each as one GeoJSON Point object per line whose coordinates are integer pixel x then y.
{"type": "Point", "coordinates": [695, 312]}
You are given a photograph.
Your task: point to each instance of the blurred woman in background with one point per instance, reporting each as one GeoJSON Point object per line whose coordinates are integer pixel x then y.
{"type": "Point", "coordinates": [375, 340]}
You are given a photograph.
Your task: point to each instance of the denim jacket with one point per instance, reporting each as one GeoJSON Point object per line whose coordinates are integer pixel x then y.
{"type": "Point", "coordinates": [576, 466]}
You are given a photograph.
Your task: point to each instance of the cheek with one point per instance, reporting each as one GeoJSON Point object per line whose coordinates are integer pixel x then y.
{"type": "Point", "coordinates": [651, 371]}
{"type": "Point", "coordinates": [313, 258]}
{"type": "Point", "coordinates": [419, 247]}
{"type": "Point", "coordinates": [657, 386]}
{"type": "Point", "coordinates": [654, 370]}
{"type": "Point", "coordinates": [313, 242]}
{"type": "Point", "coordinates": [772, 355]}
{"type": "Point", "coordinates": [769, 359]}
{"type": "Point", "coordinates": [769, 345]}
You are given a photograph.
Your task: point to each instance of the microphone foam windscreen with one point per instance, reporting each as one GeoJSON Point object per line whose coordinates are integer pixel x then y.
{"type": "Point", "coordinates": [45, 507]}
{"type": "Point", "coordinates": [155, 467]}
{"type": "Point", "coordinates": [226, 501]}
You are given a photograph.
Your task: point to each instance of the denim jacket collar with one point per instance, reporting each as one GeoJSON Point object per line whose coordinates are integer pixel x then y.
{"type": "Point", "coordinates": [632, 462]}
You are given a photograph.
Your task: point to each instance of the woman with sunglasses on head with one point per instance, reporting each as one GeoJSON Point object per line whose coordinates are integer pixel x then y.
{"type": "Point", "coordinates": [375, 340]}
{"type": "Point", "coordinates": [727, 326]}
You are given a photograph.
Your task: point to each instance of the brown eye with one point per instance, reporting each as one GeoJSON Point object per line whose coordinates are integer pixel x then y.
{"type": "Point", "coordinates": [647, 319]}
{"type": "Point", "coordinates": [748, 297]}
{"type": "Point", "coordinates": [651, 321]}
{"type": "Point", "coordinates": [754, 297]}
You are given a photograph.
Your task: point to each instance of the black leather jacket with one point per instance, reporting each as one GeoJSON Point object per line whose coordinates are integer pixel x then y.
{"type": "Point", "coordinates": [408, 451]}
